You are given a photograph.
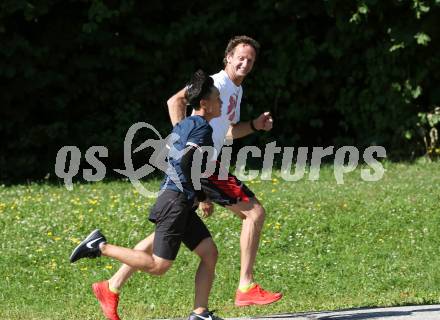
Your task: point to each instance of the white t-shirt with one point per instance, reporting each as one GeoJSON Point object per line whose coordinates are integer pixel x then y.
{"type": "Point", "coordinates": [230, 95]}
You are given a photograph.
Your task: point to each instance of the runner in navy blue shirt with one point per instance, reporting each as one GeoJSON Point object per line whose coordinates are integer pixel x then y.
{"type": "Point", "coordinates": [192, 132]}
{"type": "Point", "coordinates": [174, 212]}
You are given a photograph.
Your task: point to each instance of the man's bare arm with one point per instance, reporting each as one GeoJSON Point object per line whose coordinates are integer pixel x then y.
{"type": "Point", "coordinates": [263, 122]}
{"type": "Point", "coordinates": [177, 107]}
{"type": "Point", "coordinates": [239, 130]}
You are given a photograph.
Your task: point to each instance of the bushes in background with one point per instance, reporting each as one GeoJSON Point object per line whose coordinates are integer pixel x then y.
{"type": "Point", "coordinates": [332, 72]}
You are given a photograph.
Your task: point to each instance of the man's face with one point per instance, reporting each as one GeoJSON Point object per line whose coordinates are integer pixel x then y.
{"type": "Point", "coordinates": [242, 59]}
{"type": "Point", "coordinates": [215, 102]}
{"type": "Point", "coordinates": [212, 104]}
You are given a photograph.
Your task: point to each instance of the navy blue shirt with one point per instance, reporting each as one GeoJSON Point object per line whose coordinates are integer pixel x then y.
{"type": "Point", "coordinates": [191, 131]}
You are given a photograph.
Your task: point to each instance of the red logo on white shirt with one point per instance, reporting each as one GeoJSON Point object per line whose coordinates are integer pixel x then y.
{"type": "Point", "coordinates": [232, 106]}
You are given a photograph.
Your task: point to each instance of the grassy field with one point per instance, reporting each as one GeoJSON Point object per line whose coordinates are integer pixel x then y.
{"type": "Point", "coordinates": [325, 246]}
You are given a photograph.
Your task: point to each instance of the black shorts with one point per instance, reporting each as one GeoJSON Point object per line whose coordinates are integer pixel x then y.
{"type": "Point", "coordinates": [176, 221]}
{"type": "Point", "coordinates": [225, 192]}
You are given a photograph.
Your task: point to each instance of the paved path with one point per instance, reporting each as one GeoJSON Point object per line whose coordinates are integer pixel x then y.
{"type": "Point", "coordinates": [430, 312]}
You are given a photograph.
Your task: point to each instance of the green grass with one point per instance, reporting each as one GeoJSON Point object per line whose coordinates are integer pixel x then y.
{"type": "Point", "coordinates": [325, 246]}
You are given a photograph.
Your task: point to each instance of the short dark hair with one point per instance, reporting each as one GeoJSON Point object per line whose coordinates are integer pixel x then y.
{"type": "Point", "coordinates": [235, 41]}
{"type": "Point", "coordinates": [199, 87]}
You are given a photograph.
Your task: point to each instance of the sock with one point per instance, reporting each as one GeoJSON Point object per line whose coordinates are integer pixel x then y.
{"type": "Point", "coordinates": [100, 245]}
{"type": "Point", "coordinates": [245, 288]}
{"type": "Point", "coordinates": [114, 290]}
{"type": "Point", "coordinates": [200, 312]}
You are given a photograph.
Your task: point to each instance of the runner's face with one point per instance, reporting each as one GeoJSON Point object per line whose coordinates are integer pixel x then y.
{"type": "Point", "coordinates": [242, 59]}
{"type": "Point", "coordinates": [215, 103]}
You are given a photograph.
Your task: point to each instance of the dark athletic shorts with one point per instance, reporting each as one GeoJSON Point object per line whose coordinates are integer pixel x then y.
{"type": "Point", "coordinates": [225, 192]}
{"type": "Point", "coordinates": [176, 221]}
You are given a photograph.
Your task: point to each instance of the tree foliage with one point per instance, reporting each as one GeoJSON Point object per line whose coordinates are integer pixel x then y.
{"type": "Point", "coordinates": [332, 72]}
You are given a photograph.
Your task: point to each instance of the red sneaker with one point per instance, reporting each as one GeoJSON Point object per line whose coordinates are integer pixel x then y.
{"type": "Point", "coordinates": [107, 299]}
{"type": "Point", "coordinates": [256, 295]}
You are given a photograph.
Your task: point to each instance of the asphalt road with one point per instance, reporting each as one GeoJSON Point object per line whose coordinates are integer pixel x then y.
{"type": "Point", "coordinates": [429, 312]}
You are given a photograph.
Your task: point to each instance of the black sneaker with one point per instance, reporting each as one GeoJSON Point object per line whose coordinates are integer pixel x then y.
{"type": "Point", "coordinates": [89, 247]}
{"type": "Point", "coordinates": [207, 315]}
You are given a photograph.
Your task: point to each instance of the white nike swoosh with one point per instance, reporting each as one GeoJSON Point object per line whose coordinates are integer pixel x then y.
{"type": "Point", "coordinates": [202, 317]}
{"type": "Point", "coordinates": [89, 244]}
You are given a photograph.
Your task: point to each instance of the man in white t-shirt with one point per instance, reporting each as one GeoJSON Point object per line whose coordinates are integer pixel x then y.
{"type": "Point", "coordinates": [240, 55]}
